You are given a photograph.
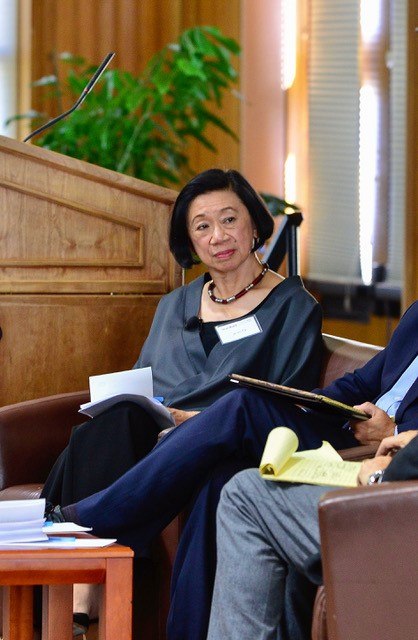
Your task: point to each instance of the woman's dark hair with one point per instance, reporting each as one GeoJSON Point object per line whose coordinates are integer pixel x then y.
{"type": "Point", "coordinates": [205, 182]}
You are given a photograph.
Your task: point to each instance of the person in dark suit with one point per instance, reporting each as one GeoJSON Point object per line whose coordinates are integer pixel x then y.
{"type": "Point", "coordinates": [196, 459]}
{"type": "Point", "coordinates": [265, 529]}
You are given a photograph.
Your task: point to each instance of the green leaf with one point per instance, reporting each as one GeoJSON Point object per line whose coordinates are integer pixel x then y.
{"type": "Point", "coordinates": [229, 43]}
{"type": "Point", "coordinates": [29, 115]}
{"type": "Point", "coordinates": [186, 42]}
{"type": "Point", "coordinates": [191, 68]}
{"type": "Point", "coordinates": [45, 81]}
{"type": "Point", "coordinates": [143, 125]}
{"type": "Point", "coordinates": [65, 56]}
{"type": "Point", "coordinates": [220, 124]}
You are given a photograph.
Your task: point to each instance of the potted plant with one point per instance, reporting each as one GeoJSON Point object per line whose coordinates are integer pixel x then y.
{"type": "Point", "coordinates": [142, 125]}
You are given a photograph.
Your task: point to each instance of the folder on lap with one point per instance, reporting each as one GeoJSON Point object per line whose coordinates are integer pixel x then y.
{"type": "Point", "coordinates": [300, 397]}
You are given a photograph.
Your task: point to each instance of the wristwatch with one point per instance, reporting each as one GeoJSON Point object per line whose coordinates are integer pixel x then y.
{"type": "Point", "coordinates": [376, 477]}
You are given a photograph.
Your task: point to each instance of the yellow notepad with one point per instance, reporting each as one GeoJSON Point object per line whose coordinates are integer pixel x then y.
{"type": "Point", "coordinates": [324, 466]}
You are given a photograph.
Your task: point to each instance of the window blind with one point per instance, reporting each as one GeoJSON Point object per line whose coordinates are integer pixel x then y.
{"type": "Point", "coordinates": [333, 95]}
{"type": "Point", "coordinates": [397, 60]}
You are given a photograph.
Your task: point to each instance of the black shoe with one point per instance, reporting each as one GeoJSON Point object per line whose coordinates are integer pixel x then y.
{"type": "Point", "coordinates": [81, 622]}
{"type": "Point", "coordinates": [79, 632]}
{"type": "Point", "coordinates": [53, 514]}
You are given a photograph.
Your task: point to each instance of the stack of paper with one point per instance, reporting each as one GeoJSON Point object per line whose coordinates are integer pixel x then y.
{"type": "Point", "coordinates": [23, 526]}
{"type": "Point", "coordinates": [22, 521]}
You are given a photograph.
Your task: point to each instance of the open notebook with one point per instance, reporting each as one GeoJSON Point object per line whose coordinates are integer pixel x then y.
{"type": "Point", "coordinates": [304, 398]}
{"type": "Point", "coordinates": [283, 463]}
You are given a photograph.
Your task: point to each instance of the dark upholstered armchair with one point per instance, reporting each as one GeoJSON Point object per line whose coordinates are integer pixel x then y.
{"type": "Point", "coordinates": [370, 564]}
{"type": "Point", "coordinates": [369, 549]}
{"type": "Point", "coordinates": [33, 433]}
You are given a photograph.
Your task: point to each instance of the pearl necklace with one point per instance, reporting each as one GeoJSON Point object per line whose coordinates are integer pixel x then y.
{"type": "Point", "coordinates": [240, 293]}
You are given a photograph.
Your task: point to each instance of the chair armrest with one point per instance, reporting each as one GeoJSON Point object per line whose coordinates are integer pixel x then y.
{"type": "Point", "coordinates": [22, 492]}
{"type": "Point", "coordinates": [341, 355]}
{"type": "Point", "coordinates": [369, 557]}
{"type": "Point", "coordinates": [319, 629]}
{"type": "Point", "coordinates": [32, 435]}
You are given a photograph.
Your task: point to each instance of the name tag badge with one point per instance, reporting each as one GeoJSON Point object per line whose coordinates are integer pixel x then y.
{"type": "Point", "coordinates": [238, 329]}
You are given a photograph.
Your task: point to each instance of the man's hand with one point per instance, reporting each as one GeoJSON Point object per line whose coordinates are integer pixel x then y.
{"type": "Point", "coordinates": [384, 454]}
{"type": "Point", "coordinates": [373, 430]}
{"type": "Point", "coordinates": [393, 443]}
{"type": "Point", "coordinates": [181, 416]}
{"type": "Point", "coordinates": [370, 466]}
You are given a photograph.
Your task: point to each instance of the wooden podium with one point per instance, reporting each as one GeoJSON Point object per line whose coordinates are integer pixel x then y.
{"type": "Point", "coordinates": [84, 260]}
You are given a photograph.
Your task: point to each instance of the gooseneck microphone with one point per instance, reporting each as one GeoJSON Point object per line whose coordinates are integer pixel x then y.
{"type": "Point", "coordinates": [81, 99]}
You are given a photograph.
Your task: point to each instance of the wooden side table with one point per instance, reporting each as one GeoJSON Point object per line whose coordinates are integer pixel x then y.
{"type": "Point", "coordinates": [57, 570]}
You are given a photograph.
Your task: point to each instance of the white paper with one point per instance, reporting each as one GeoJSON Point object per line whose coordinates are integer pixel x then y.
{"type": "Point", "coordinates": [18, 536]}
{"type": "Point", "coordinates": [22, 520]}
{"type": "Point", "coordinates": [64, 527]}
{"type": "Point", "coordinates": [158, 411]}
{"type": "Point", "coordinates": [78, 543]}
{"type": "Point", "coordinates": [133, 381]}
{"type": "Point", "coordinates": [21, 510]}
{"type": "Point", "coordinates": [23, 525]}
{"type": "Point", "coordinates": [133, 385]}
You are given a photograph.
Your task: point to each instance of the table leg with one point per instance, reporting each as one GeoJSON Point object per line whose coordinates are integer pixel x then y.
{"type": "Point", "coordinates": [57, 612]}
{"type": "Point", "coordinates": [17, 613]}
{"type": "Point", "coordinates": [115, 615]}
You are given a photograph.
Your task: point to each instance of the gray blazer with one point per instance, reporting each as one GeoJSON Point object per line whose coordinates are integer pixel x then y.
{"type": "Point", "coordinates": [288, 350]}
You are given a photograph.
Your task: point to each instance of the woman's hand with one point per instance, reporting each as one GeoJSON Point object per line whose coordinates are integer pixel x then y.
{"type": "Point", "coordinates": [370, 466]}
{"type": "Point", "coordinates": [394, 443]}
{"type": "Point", "coordinates": [181, 416]}
{"type": "Point", "coordinates": [373, 430]}
{"type": "Point", "coordinates": [164, 432]}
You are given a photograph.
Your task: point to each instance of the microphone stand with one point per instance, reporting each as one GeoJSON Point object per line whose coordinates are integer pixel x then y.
{"type": "Point", "coordinates": [81, 99]}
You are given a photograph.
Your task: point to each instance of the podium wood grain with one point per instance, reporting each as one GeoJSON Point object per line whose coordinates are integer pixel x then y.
{"type": "Point", "coordinates": [84, 262]}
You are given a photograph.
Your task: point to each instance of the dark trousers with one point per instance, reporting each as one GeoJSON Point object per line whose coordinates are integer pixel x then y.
{"type": "Point", "coordinates": [200, 455]}
{"type": "Point", "coordinates": [195, 563]}
{"type": "Point", "coordinates": [195, 566]}
{"type": "Point", "coordinates": [100, 451]}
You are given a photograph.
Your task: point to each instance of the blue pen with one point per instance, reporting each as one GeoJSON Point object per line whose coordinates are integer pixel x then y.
{"type": "Point", "coordinates": [62, 538]}
{"type": "Point", "coordinates": [159, 399]}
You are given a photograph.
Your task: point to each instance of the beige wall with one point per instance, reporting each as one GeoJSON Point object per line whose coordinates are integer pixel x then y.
{"type": "Point", "coordinates": [263, 142]}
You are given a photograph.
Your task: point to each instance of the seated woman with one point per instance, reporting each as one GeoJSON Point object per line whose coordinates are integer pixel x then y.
{"type": "Point", "coordinates": [240, 317]}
